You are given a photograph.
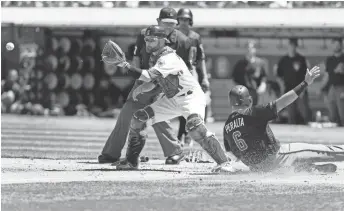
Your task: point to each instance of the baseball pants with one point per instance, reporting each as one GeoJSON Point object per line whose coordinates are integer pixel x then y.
{"type": "Point", "coordinates": [336, 104]}
{"type": "Point", "coordinates": [299, 111]}
{"type": "Point", "coordinates": [296, 154]}
{"type": "Point", "coordinates": [119, 134]}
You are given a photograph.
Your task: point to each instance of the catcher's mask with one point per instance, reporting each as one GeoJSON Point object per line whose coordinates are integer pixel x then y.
{"type": "Point", "coordinates": [185, 13]}
{"type": "Point", "coordinates": [240, 96]}
{"type": "Point", "coordinates": [154, 33]}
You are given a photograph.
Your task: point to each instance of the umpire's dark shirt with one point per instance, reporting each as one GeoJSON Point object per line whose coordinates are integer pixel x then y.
{"type": "Point", "coordinates": [178, 41]}
{"type": "Point", "coordinates": [292, 70]}
{"type": "Point", "coordinates": [335, 70]}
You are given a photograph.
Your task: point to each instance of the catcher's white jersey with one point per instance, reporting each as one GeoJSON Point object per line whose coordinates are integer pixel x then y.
{"type": "Point", "coordinates": [170, 65]}
{"type": "Point", "coordinates": [187, 96]}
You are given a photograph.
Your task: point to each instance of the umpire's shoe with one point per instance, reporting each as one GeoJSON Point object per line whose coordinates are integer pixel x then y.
{"type": "Point", "coordinates": [106, 159]}
{"type": "Point", "coordinates": [175, 159]}
{"type": "Point", "coordinates": [126, 165]}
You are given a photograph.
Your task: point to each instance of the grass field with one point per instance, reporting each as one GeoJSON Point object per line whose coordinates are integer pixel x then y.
{"type": "Point", "coordinates": [50, 164]}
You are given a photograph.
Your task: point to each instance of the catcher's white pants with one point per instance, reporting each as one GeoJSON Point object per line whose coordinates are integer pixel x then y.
{"type": "Point", "coordinates": [168, 108]}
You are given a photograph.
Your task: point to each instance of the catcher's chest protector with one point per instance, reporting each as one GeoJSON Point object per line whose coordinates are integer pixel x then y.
{"type": "Point", "coordinates": [170, 84]}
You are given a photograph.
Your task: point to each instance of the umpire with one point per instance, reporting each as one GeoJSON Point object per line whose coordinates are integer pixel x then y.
{"type": "Point", "coordinates": [197, 61]}
{"type": "Point", "coordinates": [291, 69]}
{"type": "Point", "coordinates": [169, 143]}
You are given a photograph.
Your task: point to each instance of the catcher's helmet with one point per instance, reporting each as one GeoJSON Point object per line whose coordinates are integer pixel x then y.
{"type": "Point", "coordinates": [156, 31]}
{"type": "Point", "coordinates": [239, 96]}
{"type": "Point", "coordinates": [185, 13]}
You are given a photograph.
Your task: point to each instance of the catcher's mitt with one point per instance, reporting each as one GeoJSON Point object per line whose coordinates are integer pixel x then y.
{"type": "Point", "coordinates": [113, 54]}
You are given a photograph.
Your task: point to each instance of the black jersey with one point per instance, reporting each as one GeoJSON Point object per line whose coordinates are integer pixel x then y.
{"type": "Point", "coordinates": [248, 135]}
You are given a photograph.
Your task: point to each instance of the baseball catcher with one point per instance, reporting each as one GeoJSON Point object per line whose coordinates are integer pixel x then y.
{"type": "Point", "coordinates": [181, 95]}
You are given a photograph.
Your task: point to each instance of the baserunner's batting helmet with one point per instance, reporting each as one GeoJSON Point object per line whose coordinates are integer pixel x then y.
{"type": "Point", "coordinates": [185, 13]}
{"type": "Point", "coordinates": [239, 96]}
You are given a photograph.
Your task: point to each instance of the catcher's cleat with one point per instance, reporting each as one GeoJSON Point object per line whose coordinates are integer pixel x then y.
{"type": "Point", "coordinates": [106, 159]}
{"type": "Point", "coordinates": [126, 165]}
{"type": "Point", "coordinates": [174, 159]}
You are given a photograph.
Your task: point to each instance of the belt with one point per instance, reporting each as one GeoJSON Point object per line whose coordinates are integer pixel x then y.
{"type": "Point", "coordinates": [187, 93]}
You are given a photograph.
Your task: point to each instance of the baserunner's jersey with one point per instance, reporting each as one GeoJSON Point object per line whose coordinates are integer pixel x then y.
{"type": "Point", "coordinates": [172, 74]}
{"type": "Point", "coordinates": [248, 135]}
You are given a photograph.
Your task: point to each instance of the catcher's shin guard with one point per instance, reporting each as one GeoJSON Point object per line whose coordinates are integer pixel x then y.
{"type": "Point", "coordinates": [198, 131]}
{"type": "Point", "coordinates": [137, 134]}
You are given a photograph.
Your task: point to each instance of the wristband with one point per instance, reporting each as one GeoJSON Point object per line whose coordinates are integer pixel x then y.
{"type": "Point", "coordinates": [300, 88]}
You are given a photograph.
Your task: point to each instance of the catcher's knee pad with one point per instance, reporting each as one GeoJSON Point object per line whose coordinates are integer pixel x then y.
{"type": "Point", "coordinates": [140, 117]}
{"type": "Point", "coordinates": [208, 141]}
{"type": "Point", "coordinates": [196, 127]}
{"type": "Point", "coordinates": [137, 134]}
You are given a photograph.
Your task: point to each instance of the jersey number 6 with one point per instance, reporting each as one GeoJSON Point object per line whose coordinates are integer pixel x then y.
{"type": "Point", "coordinates": [241, 144]}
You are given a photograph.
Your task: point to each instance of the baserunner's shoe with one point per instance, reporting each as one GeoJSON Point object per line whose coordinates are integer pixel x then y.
{"type": "Point", "coordinates": [126, 165]}
{"type": "Point", "coordinates": [224, 168]}
{"type": "Point", "coordinates": [321, 168]}
{"type": "Point", "coordinates": [325, 168]}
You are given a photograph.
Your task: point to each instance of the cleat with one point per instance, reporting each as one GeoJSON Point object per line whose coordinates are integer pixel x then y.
{"type": "Point", "coordinates": [224, 168]}
{"type": "Point", "coordinates": [126, 165]}
{"type": "Point", "coordinates": [116, 163]}
{"type": "Point", "coordinates": [325, 168]}
{"type": "Point", "coordinates": [174, 159]}
{"type": "Point", "coordinates": [106, 159]}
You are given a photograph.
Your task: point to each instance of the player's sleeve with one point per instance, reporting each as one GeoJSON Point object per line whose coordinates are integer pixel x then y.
{"type": "Point", "coordinates": [265, 112]}
{"type": "Point", "coordinates": [165, 66]}
{"type": "Point", "coordinates": [139, 44]}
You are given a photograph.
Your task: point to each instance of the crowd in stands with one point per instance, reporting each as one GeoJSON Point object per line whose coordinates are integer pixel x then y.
{"type": "Point", "coordinates": [190, 4]}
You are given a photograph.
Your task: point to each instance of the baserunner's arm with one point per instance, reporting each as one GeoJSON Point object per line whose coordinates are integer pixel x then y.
{"type": "Point", "coordinates": [293, 94]}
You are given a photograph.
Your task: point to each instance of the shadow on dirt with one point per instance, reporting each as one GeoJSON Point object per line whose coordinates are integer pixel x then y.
{"type": "Point", "coordinates": [107, 169]}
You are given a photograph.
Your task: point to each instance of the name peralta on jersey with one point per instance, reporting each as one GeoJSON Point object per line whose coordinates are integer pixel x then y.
{"type": "Point", "coordinates": [248, 135]}
{"type": "Point", "coordinates": [172, 74]}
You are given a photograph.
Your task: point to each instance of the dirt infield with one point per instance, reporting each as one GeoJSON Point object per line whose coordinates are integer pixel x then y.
{"type": "Point", "coordinates": [49, 164]}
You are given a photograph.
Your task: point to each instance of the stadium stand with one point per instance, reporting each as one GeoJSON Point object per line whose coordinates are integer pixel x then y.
{"type": "Point", "coordinates": [191, 4]}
